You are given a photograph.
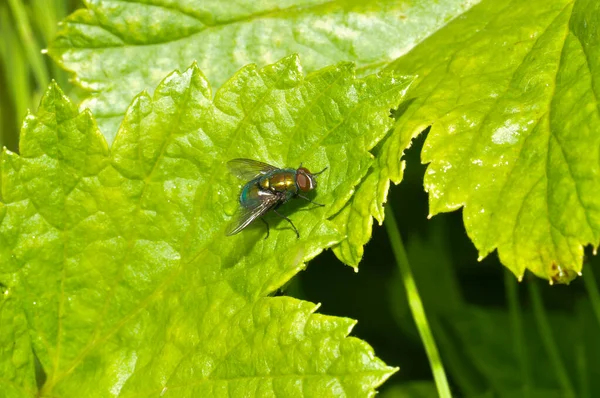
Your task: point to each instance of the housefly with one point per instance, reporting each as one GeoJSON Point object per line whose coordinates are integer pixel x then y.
{"type": "Point", "coordinates": [268, 187]}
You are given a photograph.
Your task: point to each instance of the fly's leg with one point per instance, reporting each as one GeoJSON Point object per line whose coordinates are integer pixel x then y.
{"type": "Point", "coordinates": [288, 220]}
{"type": "Point", "coordinates": [267, 224]}
{"type": "Point", "coordinates": [310, 200]}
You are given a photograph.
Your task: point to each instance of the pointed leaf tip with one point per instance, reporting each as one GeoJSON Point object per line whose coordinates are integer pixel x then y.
{"type": "Point", "coordinates": [513, 147]}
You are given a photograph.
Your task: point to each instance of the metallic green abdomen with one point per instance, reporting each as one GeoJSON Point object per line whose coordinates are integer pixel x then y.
{"type": "Point", "coordinates": [251, 194]}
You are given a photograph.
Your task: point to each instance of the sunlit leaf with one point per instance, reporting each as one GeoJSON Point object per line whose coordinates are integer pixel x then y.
{"type": "Point", "coordinates": [118, 48]}
{"type": "Point", "coordinates": [117, 256]}
{"type": "Point", "coordinates": [511, 90]}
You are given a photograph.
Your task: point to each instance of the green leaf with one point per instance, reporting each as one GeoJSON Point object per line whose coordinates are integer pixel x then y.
{"type": "Point", "coordinates": [117, 49]}
{"type": "Point", "coordinates": [17, 371]}
{"type": "Point", "coordinates": [511, 90]}
{"type": "Point", "coordinates": [117, 257]}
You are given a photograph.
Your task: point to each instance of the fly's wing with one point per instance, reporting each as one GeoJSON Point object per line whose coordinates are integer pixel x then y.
{"type": "Point", "coordinates": [248, 169]}
{"type": "Point", "coordinates": [257, 208]}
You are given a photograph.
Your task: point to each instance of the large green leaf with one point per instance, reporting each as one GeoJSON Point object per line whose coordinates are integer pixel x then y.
{"type": "Point", "coordinates": [114, 260]}
{"type": "Point", "coordinates": [511, 89]}
{"type": "Point", "coordinates": [118, 48]}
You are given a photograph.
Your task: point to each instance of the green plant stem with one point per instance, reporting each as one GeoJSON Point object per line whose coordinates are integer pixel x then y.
{"type": "Point", "coordinates": [416, 305]}
{"type": "Point", "coordinates": [48, 14]}
{"type": "Point", "coordinates": [516, 323]}
{"type": "Point", "coordinates": [548, 340]}
{"type": "Point", "coordinates": [17, 89]}
{"type": "Point", "coordinates": [29, 43]}
{"type": "Point", "coordinates": [582, 370]}
{"type": "Point", "coordinates": [592, 288]}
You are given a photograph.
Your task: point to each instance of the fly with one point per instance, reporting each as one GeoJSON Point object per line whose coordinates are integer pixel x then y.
{"type": "Point", "coordinates": [268, 187]}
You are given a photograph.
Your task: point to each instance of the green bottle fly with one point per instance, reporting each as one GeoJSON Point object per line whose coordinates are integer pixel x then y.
{"type": "Point", "coordinates": [268, 187]}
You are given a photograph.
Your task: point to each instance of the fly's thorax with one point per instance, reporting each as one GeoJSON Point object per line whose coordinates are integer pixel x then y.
{"type": "Point", "coordinates": [265, 183]}
{"type": "Point", "coordinates": [282, 181]}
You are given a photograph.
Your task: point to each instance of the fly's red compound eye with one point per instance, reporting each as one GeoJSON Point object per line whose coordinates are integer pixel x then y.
{"type": "Point", "coordinates": [304, 180]}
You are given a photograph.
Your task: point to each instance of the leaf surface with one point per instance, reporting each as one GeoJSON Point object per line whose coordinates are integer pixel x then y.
{"type": "Point", "coordinates": [117, 260]}
{"type": "Point", "coordinates": [118, 48]}
{"type": "Point", "coordinates": [17, 367]}
{"type": "Point", "coordinates": [511, 89]}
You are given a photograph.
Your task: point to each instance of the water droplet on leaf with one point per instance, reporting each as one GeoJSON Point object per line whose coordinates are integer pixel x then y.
{"type": "Point", "coordinates": [230, 208]}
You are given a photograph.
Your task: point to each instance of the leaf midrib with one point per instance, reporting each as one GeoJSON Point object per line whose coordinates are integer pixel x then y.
{"type": "Point", "coordinates": [293, 11]}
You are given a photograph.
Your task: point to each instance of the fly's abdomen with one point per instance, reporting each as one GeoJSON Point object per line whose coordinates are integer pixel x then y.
{"type": "Point", "coordinates": [250, 195]}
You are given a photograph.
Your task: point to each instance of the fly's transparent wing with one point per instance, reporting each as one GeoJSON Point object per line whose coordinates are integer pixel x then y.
{"type": "Point", "coordinates": [248, 169]}
{"type": "Point", "coordinates": [255, 209]}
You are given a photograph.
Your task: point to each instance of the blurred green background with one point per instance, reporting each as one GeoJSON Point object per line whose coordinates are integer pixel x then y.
{"type": "Point", "coordinates": [26, 27]}
{"type": "Point", "coordinates": [497, 337]}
